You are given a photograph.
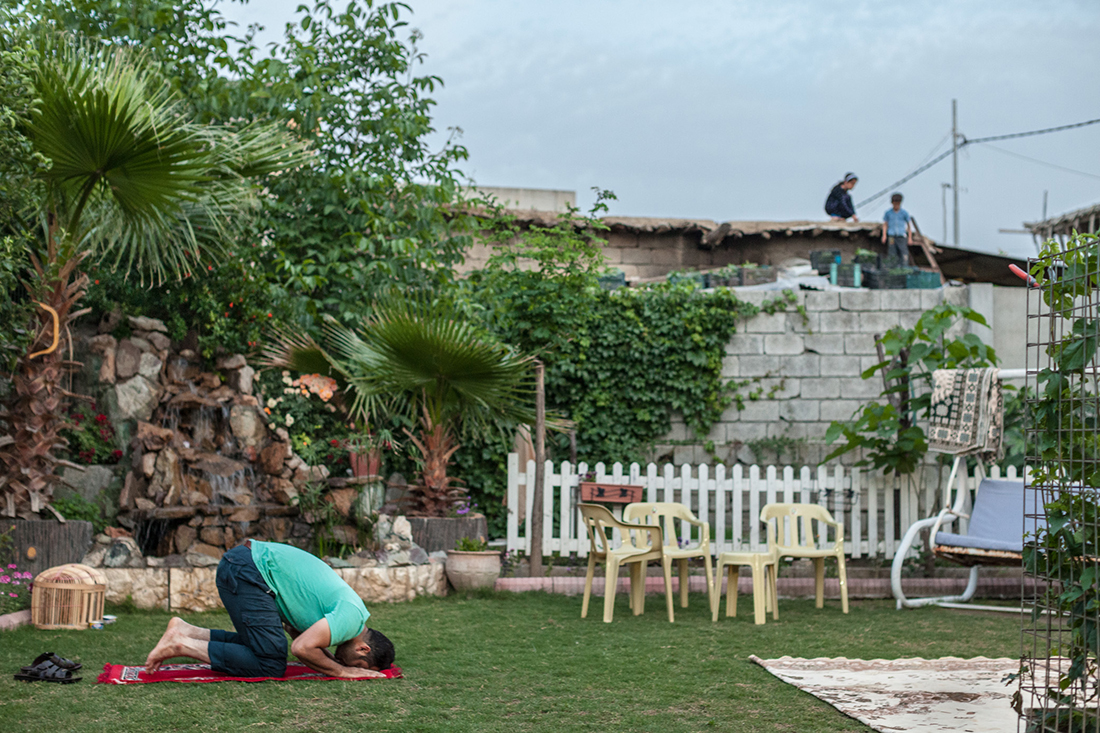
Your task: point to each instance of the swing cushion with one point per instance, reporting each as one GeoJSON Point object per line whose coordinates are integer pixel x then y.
{"type": "Point", "coordinates": [997, 520]}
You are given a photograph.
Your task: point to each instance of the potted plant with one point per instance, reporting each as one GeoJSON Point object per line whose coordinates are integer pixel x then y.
{"type": "Point", "coordinates": [755, 274]}
{"type": "Point", "coordinates": [472, 565]}
{"type": "Point", "coordinates": [365, 452]}
{"type": "Point", "coordinates": [423, 365]}
{"type": "Point", "coordinates": [867, 258]}
{"type": "Point", "coordinates": [728, 277]}
{"type": "Point", "coordinates": [365, 457]}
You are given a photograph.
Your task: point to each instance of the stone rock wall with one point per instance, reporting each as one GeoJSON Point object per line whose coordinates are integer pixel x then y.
{"type": "Point", "coordinates": [146, 587]}
{"type": "Point", "coordinates": [205, 471]}
{"type": "Point", "coordinates": [193, 589]}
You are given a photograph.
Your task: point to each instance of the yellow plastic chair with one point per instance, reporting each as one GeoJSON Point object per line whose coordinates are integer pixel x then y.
{"type": "Point", "coordinates": [803, 544]}
{"type": "Point", "coordinates": [665, 514]}
{"type": "Point", "coordinates": [635, 551]}
{"type": "Point", "coordinates": [764, 566]}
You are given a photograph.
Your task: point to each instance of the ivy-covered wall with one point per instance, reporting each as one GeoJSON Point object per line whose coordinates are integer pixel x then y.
{"type": "Point", "coordinates": [801, 372]}
{"type": "Point", "coordinates": [619, 364]}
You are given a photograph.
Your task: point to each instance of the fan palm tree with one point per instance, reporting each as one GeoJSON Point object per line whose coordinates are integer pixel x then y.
{"type": "Point", "coordinates": [125, 179]}
{"type": "Point", "coordinates": [425, 364]}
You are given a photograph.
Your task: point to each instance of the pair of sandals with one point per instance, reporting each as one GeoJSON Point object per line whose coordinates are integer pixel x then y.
{"type": "Point", "coordinates": [48, 667]}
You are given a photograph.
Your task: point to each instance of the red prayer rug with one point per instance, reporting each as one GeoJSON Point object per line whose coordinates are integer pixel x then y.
{"type": "Point", "coordinates": [120, 674]}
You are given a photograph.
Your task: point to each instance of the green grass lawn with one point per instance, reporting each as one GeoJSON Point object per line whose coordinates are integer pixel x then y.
{"type": "Point", "coordinates": [509, 662]}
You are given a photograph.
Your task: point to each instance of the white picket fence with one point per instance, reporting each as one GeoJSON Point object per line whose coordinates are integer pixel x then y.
{"type": "Point", "coordinates": [874, 509]}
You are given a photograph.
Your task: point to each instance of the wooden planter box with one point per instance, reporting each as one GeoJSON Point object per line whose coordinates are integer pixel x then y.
{"type": "Point", "coordinates": [611, 493]}
{"type": "Point", "coordinates": [758, 275]}
{"type": "Point", "coordinates": [822, 259]}
{"type": "Point", "coordinates": [42, 544]}
{"type": "Point", "coordinates": [441, 533]}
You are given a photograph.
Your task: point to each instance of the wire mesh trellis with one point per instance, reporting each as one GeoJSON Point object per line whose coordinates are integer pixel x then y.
{"type": "Point", "coordinates": [1058, 688]}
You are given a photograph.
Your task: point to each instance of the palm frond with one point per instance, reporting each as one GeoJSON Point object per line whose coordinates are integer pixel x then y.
{"type": "Point", "coordinates": [362, 367]}
{"type": "Point", "coordinates": [131, 178]}
{"type": "Point", "coordinates": [426, 350]}
{"type": "Point", "coordinates": [286, 349]}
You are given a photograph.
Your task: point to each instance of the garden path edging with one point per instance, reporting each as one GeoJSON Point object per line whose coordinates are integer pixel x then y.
{"type": "Point", "coordinates": [787, 587]}
{"type": "Point", "coordinates": [193, 589]}
{"type": "Point", "coordinates": [14, 620]}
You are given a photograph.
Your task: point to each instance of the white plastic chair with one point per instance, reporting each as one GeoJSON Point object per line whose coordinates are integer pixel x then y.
{"type": "Point", "coordinates": [804, 542]}
{"type": "Point", "coordinates": [665, 515]}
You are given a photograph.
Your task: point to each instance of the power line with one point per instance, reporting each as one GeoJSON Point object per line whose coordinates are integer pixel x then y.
{"type": "Point", "coordinates": [1041, 162]}
{"type": "Point", "coordinates": [909, 177]}
{"type": "Point", "coordinates": [964, 142]}
{"type": "Point", "coordinates": [934, 150]}
{"type": "Point", "coordinates": [1027, 134]}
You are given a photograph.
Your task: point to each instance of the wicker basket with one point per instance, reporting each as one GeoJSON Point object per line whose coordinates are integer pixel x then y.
{"type": "Point", "coordinates": [68, 597]}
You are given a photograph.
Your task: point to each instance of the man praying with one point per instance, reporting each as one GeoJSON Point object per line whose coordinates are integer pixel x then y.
{"type": "Point", "coordinates": [267, 587]}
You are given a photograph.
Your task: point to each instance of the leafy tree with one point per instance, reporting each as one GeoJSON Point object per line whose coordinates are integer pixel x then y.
{"type": "Point", "coordinates": [888, 432]}
{"type": "Point", "coordinates": [18, 161]}
{"type": "Point", "coordinates": [128, 179]}
{"type": "Point", "coordinates": [374, 205]}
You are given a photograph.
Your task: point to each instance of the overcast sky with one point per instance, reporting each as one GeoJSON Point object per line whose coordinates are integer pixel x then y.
{"type": "Point", "coordinates": [753, 110]}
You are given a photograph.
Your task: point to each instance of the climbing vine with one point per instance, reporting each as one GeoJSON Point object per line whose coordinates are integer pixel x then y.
{"type": "Point", "coordinates": [619, 363]}
{"type": "Point", "coordinates": [1063, 453]}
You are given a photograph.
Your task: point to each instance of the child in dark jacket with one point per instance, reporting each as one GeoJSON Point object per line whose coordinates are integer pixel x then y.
{"type": "Point", "coordinates": [839, 204]}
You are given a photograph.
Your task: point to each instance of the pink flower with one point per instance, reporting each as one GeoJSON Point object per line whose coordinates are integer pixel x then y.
{"type": "Point", "coordinates": [12, 566]}
{"type": "Point", "coordinates": [27, 576]}
{"type": "Point", "coordinates": [5, 579]}
{"type": "Point", "coordinates": [13, 595]}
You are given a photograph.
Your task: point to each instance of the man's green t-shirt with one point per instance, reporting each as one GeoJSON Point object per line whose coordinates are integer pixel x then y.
{"type": "Point", "coordinates": [307, 590]}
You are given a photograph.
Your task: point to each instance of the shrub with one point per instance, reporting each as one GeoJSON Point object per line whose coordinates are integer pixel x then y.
{"type": "Point", "coordinates": [91, 436]}
{"type": "Point", "coordinates": [78, 508]}
{"type": "Point", "coordinates": [308, 408]}
{"type": "Point", "coordinates": [15, 584]}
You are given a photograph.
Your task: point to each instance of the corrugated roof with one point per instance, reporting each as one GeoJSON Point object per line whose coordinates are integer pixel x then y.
{"type": "Point", "coordinates": [714, 233]}
{"type": "Point", "coordinates": [1081, 220]}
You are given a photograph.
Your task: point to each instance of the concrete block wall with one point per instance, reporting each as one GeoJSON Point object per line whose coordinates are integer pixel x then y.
{"type": "Point", "coordinates": [808, 368]}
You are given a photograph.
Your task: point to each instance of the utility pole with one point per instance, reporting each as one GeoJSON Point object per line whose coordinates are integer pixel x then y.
{"type": "Point", "coordinates": [537, 529]}
{"type": "Point", "coordinates": [955, 165]}
{"type": "Point", "coordinates": [1044, 205]}
{"type": "Point", "coordinates": [943, 202]}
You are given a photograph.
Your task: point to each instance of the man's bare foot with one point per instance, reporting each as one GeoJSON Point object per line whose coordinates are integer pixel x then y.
{"type": "Point", "coordinates": [166, 648]}
{"type": "Point", "coordinates": [181, 639]}
{"type": "Point", "coordinates": [190, 631]}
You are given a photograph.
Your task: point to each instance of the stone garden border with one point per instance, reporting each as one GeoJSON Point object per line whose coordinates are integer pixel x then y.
{"type": "Point", "coordinates": [193, 589]}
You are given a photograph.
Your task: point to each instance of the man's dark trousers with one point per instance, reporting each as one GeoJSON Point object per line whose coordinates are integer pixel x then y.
{"type": "Point", "coordinates": [258, 648]}
{"type": "Point", "coordinates": [898, 247]}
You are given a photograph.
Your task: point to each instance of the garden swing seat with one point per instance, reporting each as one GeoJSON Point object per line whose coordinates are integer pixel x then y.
{"type": "Point", "coordinates": [966, 420]}
{"type": "Point", "coordinates": [994, 535]}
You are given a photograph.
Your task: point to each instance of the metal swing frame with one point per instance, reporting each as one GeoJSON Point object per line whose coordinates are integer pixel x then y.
{"type": "Point", "coordinates": [946, 516]}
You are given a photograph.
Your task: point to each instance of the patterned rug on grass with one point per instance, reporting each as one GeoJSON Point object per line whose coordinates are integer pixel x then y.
{"type": "Point", "coordinates": [948, 694]}
{"type": "Point", "coordinates": [121, 674]}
